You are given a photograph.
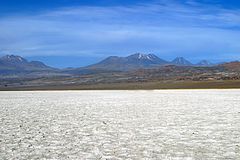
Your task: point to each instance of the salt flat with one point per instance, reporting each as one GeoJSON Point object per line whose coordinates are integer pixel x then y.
{"type": "Point", "coordinates": [160, 124]}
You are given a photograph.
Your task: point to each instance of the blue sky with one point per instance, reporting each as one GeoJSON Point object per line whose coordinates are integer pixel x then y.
{"type": "Point", "coordinates": [72, 33]}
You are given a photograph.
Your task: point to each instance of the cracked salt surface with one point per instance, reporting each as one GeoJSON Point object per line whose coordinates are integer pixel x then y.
{"type": "Point", "coordinates": [168, 124]}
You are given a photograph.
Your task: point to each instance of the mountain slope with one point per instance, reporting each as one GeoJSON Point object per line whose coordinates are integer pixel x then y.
{"type": "Point", "coordinates": [204, 63]}
{"type": "Point", "coordinates": [131, 62]}
{"type": "Point", "coordinates": [11, 64]}
{"type": "Point", "coordinates": [231, 66]}
{"type": "Point", "coordinates": [180, 61]}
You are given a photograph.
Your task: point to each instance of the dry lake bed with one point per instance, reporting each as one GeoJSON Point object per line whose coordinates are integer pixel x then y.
{"type": "Point", "coordinates": [158, 124]}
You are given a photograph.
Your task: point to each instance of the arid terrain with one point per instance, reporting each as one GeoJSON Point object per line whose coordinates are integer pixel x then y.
{"type": "Point", "coordinates": [156, 124]}
{"type": "Point", "coordinates": [137, 71]}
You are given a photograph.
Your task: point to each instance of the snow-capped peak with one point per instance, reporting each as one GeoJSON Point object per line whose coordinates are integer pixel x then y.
{"type": "Point", "coordinates": [13, 58]}
{"type": "Point", "coordinates": [146, 56]}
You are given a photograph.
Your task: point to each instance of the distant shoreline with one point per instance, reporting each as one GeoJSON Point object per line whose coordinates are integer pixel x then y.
{"type": "Point", "coordinates": [164, 85]}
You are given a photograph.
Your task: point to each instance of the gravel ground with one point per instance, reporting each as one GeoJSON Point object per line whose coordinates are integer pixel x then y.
{"type": "Point", "coordinates": [160, 124]}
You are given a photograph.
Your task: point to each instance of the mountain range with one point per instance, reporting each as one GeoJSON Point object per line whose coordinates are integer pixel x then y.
{"type": "Point", "coordinates": [140, 61]}
{"type": "Point", "coordinates": [12, 64]}
{"type": "Point", "coordinates": [17, 72]}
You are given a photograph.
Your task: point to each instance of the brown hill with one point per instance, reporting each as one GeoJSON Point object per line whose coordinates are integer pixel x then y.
{"type": "Point", "coordinates": [232, 66]}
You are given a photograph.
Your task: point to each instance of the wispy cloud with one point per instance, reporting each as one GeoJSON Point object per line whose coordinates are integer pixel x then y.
{"type": "Point", "coordinates": [167, 28]}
